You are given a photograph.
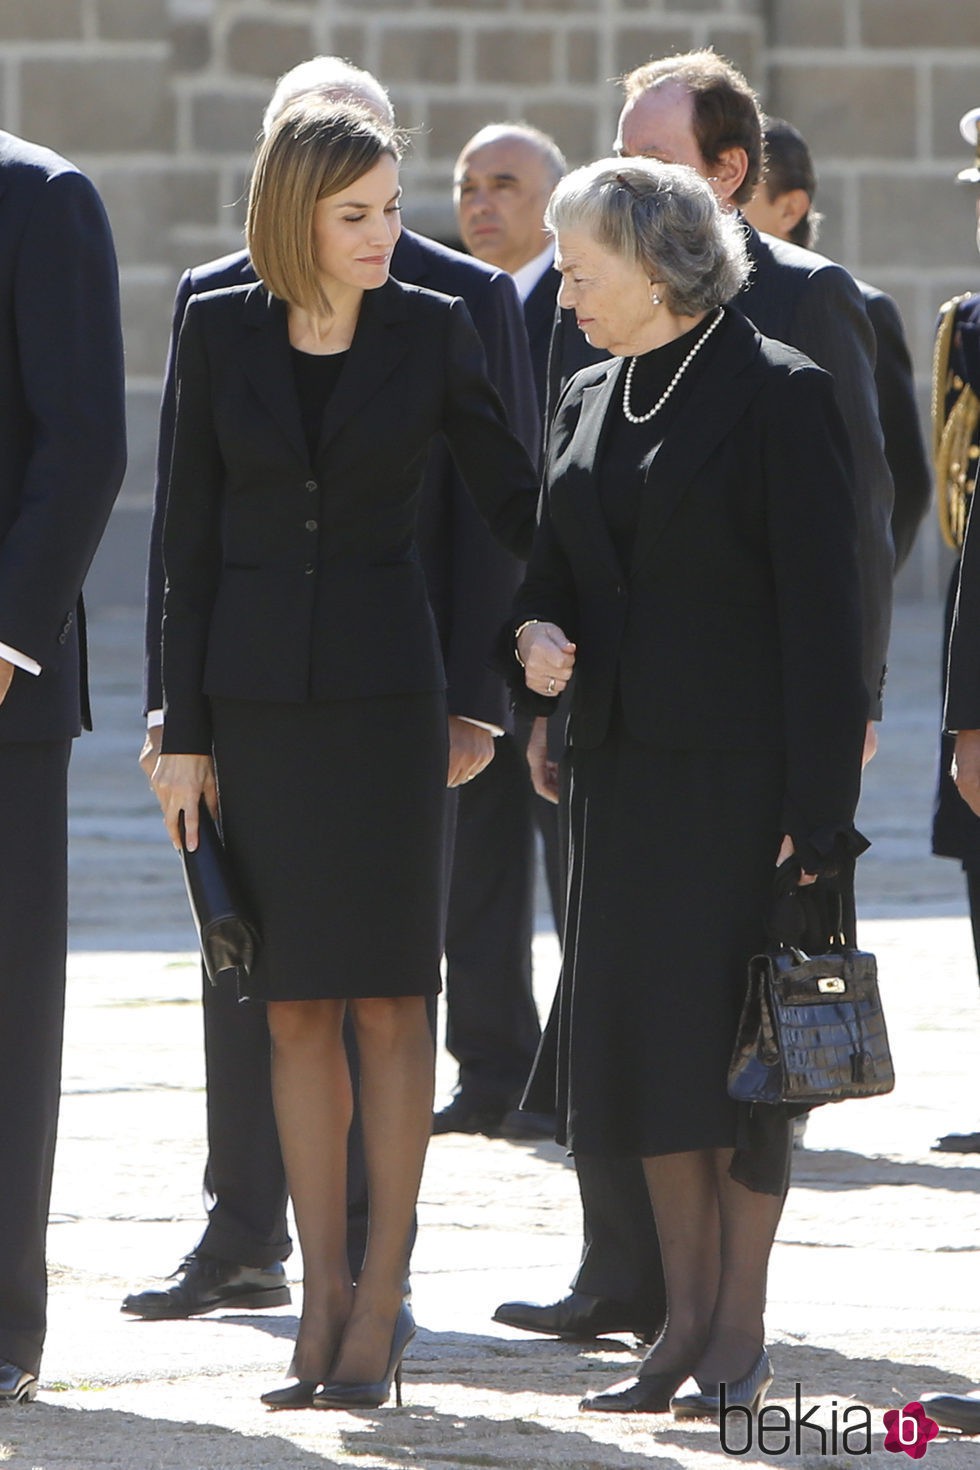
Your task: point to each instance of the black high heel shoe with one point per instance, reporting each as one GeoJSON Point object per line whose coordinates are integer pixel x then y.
{"type": "Point", "coordinates": [691, 1401]}
{"type": "Point", "coordinates": [298, 1395]}
{"type": "Point", "coordinates": [337, 1395]}
{"type": "Point", "coordinates": [645, 1393]}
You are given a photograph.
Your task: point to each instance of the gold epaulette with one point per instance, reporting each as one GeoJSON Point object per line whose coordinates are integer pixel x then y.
{"type": "Point", "coordinates": [955, 436]}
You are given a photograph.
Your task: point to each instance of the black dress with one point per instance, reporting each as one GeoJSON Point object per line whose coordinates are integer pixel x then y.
{"type": "Point", "coordinates": [333, 812]}
{"type": "Point", "coordinates": [672, 858]}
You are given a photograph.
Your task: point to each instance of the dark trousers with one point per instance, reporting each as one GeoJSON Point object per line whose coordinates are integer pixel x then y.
{"type": "Point", "coordinates": [621, 1252]}
{"type": "Point", "coordinates": [33, 940]}
{"type": "Point", "coordinates": [492, 1026]}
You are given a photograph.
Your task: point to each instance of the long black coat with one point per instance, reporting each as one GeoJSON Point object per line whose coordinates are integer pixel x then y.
{"type": "Point", "coordinates": [737, 624]}
{"type": "Point", "coordinates": [291, 578]}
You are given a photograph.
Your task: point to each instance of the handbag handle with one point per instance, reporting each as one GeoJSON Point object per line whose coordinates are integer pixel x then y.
{"type": "Point", "coordinates": [816, 909]}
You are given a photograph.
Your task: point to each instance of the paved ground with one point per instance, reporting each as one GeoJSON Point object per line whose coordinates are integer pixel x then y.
{"type": "Point", "coordinates": [875, 1277]}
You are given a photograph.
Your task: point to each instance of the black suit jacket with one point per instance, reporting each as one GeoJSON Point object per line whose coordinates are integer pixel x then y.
{"type": "Point", "coordinates": [62, 425]}
{"type": "Point", "coordinates": [290, 578]}
{"type": "Point", "coordinates": [898, 411]}
{"type": "Point", "coordinates": [471, 579]}
{"type": "Point", "coordinates": [963, 673]}
{"type": "Point", "coordinates": [737, 623]}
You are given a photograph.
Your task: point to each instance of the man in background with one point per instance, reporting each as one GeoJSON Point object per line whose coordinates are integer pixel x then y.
{"type": "Point", "coordinates": [62, 457]}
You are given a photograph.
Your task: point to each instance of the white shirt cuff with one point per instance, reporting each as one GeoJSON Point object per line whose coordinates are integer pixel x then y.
{"type": "Point", "coordinates": [19, 660]}
{"type": "Point", "coordinates": [154, 717]}
{"type": "Point", "coordinates": [495, 730]}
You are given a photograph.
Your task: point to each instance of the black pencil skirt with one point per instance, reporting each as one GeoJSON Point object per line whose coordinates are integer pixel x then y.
{"type": "Point", "coordinates": [334, 817]}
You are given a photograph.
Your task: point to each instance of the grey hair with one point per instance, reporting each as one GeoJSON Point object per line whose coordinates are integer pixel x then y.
{"type": "Point", "coordinates": [543, 142]}
{"type": "Point", "coordinates": [333, 79]}
{"type": "Point", "coordinates": [664, 217]}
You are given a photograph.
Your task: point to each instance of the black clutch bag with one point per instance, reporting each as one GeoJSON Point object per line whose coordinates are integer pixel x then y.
{"type": "Point", "coordinates": [228, 939]}
{"type": "Point", "coordinates": [812, 1029]}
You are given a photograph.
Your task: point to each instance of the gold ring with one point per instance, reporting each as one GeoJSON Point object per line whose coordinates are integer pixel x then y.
{"type": "Point", "coordinates": [551, 686]}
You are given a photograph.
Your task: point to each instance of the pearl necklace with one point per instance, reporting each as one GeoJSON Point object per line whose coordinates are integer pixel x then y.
{"type": "Point", "coordinates": [643, 417]}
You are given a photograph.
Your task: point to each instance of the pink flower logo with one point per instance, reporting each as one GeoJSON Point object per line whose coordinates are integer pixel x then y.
{"type": "Point", "coordinates": [910, 1430]}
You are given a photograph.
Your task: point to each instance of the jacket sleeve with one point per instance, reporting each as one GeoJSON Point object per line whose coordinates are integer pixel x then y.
{"type": "Point", "coordinates": [152, 674]}
{"type": "Point", "coordinates": [191, 546]}
{"type": "Point", "coordinates": [66, 305]}
{"type": "Point", "coordinates": [831, 326]}
{"type": "Point", "coordinates": [898, 410]}
{"type": "Point", "coordinates": [810, 525]}
{"type": "Point", "coordinates": [492, 461]}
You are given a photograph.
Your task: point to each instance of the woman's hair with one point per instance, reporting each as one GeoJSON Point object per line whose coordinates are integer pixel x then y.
{"type": "Point", "coordinates": [664, 217]}
{"type": "Point", "coordinates": [788, 166]}
{"type": "Point", "coordinates": [313, 149]}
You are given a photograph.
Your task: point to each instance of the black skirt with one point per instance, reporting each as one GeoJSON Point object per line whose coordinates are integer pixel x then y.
{"type": "Point", "coordinates": [672, 861]}
{"type": "Point", "coordinates": [334, 817]}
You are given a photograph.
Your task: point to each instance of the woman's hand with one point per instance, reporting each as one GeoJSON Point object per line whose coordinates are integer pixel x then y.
{"type": "Point", "coordinates": [544, 772]}
{"type": "Point", "coordinates": [179, 782]}
{"type": "Point", "coordinates": [786, 851]}
{"type": "Point", "coordinates": [547, 656]}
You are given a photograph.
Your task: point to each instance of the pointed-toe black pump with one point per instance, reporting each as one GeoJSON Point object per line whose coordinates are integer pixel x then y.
{"type": "Point", "coordinates": [339, 1395]}
{"type": "Point", "coordinates": [298, 1395]}
{"type": "Point", "coordinates": [692, 1402]}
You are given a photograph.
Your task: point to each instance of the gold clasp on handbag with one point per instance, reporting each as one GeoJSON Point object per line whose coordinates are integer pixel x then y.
{"type": "Point", "coordinates": [831, 985]}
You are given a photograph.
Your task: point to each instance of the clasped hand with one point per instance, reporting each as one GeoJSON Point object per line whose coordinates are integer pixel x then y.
{"type": "Point", "coordinates": [179, 782]}
{"type": "Point", "coordinates": [548, 658]}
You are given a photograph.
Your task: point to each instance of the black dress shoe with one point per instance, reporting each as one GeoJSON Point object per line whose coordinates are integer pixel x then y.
{"type": "Point", "coordinates": [649, 1393]}
{"type": "Point", "coordinates": [518, 1124]}
{"type": "Point", "coordinates": [338, 1394]}
{"type": "Point", "coordinates": [957, 1143]}
{"type": "Point", "coordinates": [295, 1395]}
{"type": "Point", "coordinates": [577, 1317]}
{"type": "Point", "coordinates": [17, 1386]}
{"type": "Point", "coordinates": [202, 1284]}
{"type": "Point", "coordinates": [462, 1116]}
{"type": "Point", "coordinates": [691, 1401]}
{"type": "Point", "coordinates": [954, 1410]}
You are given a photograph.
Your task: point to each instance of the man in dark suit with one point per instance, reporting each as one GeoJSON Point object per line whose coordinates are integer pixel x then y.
{"type": "Point", "coordinates": [783, 206]}
{"type": "Point", "coordinates": [501, 183]}
{"type": "Point", "coordinates": [62, 457]}
{"type": "Point", "coordinates": [470, 581]}
{"type": "Point", "coordinates": [698, 110]}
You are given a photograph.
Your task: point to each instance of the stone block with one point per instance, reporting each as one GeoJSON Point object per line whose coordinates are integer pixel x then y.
{"type": "Point", "coordinates": [848, 111]}
{"type": "Point", "coordinates": [267, 48]}
{"type": "Point", "coordinates": [515, 57]}
{"type": "Point", "coordinates": [132, 20]}
{"type": "Point", "coordinates": [638, 44]}
{"type": "Point", "coordinates": [807, 23]}
{"type": "Point", "coordinates": [915, 23]}
{"type": "Point", "coordinates": [419, 54]}
{"type": "Point", "coordinates": [98, 104]}
{"type": "Point", "coordinates": [955, 89]}
{"type": "Point", "coordinates": [582, 56]}
{"type": "Point", "coordinates": [740, 45]}
{"type": "Point", "coordinates": [190, 46]}
{"type": "Point", "coordinates": [692, 5]}
{"type": "Point", "coordinates": [574, 128]}
{"type": "Point", "coordinates": [349, 41]}
{"type": "Point", "coordinates": [41, 20]}
{"type": "Point", "coordinates": [147, 307]}
{"type": "Point", "coordinates": [223, 122]}
{"type": "Point", "coordinates": [144, 205]}
{"type": "Point", "coordinates": [907, 219]}
{"type": "Point", "coordinates": [142, 418]}
{"type": "Point", "coordinates": [449, 124]}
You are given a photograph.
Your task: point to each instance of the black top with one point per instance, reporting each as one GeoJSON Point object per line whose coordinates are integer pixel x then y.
{"type": "Point", "coordinates": [630, 449]}
{"type": "Point", "coordinates": [316, 377]}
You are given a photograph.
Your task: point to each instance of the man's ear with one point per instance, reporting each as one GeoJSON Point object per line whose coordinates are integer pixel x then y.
{"type": "Point", "coordinates": [792, 206]}
{"type": "Point", "coordinates": [728, 172]}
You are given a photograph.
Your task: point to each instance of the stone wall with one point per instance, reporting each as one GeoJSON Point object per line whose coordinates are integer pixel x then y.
{"type": "Point", "coordinates": [160, 100]}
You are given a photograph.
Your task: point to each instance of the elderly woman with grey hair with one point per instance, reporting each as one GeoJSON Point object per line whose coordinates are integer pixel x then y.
{"type": "Point", "coordinates": [695, 566]}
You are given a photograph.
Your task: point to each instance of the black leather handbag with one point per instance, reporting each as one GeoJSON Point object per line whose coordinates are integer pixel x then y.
{"type": "Point", "coordinates": [228, 939]}
{"type": "Point", "coordinates": [812, 1029]}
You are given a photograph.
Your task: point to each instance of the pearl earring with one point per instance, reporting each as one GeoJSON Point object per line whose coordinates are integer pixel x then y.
{"type": "Point", "coordinates": [655, 298]}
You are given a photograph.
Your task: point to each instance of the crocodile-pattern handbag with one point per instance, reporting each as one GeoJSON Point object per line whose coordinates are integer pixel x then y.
{"type": "Point", "coordinates": [811, 1030]}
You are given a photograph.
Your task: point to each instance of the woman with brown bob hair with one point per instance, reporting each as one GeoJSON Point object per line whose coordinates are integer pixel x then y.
{"type": "Point", "coordinates": [303, 678]}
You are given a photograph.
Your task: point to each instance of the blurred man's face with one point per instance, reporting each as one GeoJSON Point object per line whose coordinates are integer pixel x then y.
{"type": "Point", "coordinates": [500, 190]}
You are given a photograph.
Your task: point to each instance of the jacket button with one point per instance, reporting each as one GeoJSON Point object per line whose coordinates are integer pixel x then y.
{"type": "Point", "coordinates": [309, 569]}
{"type": "Point", "coordinates": [62, 637]}
{"type": "Point", "coordinates": [311, 485]}
{"type": "Point", "coordinates": [312, 525]}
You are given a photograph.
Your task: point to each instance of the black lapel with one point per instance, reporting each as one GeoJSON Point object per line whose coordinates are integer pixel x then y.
{"type": "Point", "coordinates": [539, 308]}
{"type": "Point", "coordinates": [729, 382]}
{"type": "Point", "coordinates": [269, 367]}
{"type": "Point", "coordinates": [409, 262]}
{"type": "Point", "coordinates": [381, 339]}
{"type": "Point", "coordinates": [580, 477]}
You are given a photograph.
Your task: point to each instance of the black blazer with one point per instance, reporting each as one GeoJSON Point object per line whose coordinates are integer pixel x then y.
{"type": "Point", "coordinates": [737, 623]}
{"type": "Point", "coordinates": [901, 425]}
{"type": "Point", "coordinates": [471, 579]}
{"type": "Point", "coordinates": [62, 425]}
{"type": "Point", "coordinates": [290, 579]}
